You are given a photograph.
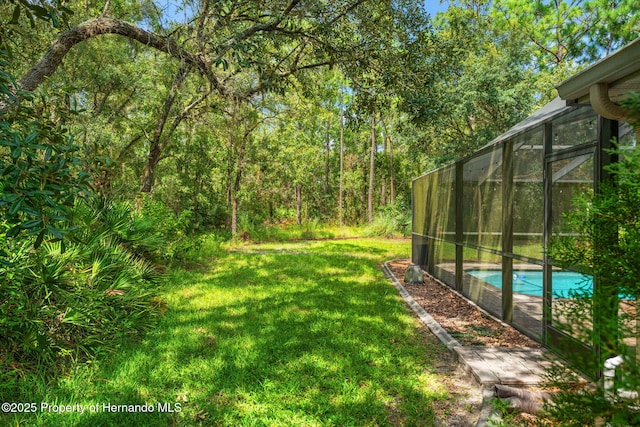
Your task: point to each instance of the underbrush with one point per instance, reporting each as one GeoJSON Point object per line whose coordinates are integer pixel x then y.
{"type": "Point", "coordinates": [391, 221]}
{"type": "Point", "coordinates": [311, 230]}
{"type": "Point", "coordinates": [68, 301]}
{"type": "Point", "coordinates": [155, 218]}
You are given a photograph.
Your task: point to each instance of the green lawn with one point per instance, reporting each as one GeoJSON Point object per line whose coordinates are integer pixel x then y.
{"type": "Point", "coordinates": [289, 334]}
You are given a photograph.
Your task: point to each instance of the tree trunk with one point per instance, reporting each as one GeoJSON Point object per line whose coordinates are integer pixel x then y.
{"type": "Point", "coordinates": [389, 141]}
{"type": "Point", "coordinates": [159, 141]}
{"type": "Point", "coordinates": [153, 158]}
{"type": "Point", "coordinates": [392, 195]}
{"type": "Point", "coordinates": [236, 187]}
{"type": "Point", "coordinates": [299, 204]}
{"type": "Point", "coordinates": [371, 168]}
{"type": "Point", "coordinates": [383, 189]}
{"type": "Point", "coordinates": [327, 158]}
{"type": "Point", "coordinates": [340, 185]}
{"type": "Point", "coordinates": [229, 165]}
{"type": "Point", "coordinates": [364, 187]}
{"type": "Point", "coordinates": [234, 216]}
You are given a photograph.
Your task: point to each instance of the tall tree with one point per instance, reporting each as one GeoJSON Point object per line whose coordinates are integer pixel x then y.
{"type": "Point", "coordinates": [159, 140]}
{"type": "Point", "coordinates": [481, 86]}
{"type": "Point", "coordinates": [569, 33]}
{"type": "Point", "coordinates": [372, 158]}
{"type": "Point", "coordinates": [388, 137]}
{"type": "Point", "coordinates": [341, 178]}
{"type": "Point", "coordinates": [243, 119]}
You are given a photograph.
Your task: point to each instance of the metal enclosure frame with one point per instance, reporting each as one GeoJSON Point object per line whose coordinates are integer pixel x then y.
{"type": "Point", "coordinates": [453, 233]}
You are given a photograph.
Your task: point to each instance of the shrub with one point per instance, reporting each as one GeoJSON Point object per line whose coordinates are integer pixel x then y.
{"type": "Point", "coordinates": [67, 302]}
{"type": "Point", "coordinates": [173, 228]}
{"type": "Point", "coordinates": [41, 173]}
{"type": "Point", "coordinates": [390, 221]}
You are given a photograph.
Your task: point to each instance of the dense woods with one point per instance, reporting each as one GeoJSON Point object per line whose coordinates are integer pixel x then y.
{"type": "Point", "coordinates": [127, 125]}
{"type": "Point", "coordinates": [232, 110]}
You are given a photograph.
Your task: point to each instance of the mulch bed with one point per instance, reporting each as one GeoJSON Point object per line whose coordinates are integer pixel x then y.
{"type": "Point", "coordinates": [461, 319]}
{"type": "Point", "coordinates": [471, 326]}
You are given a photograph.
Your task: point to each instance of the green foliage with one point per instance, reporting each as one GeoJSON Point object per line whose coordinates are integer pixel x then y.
{"type": "Point", "coordinates": [504, 415]}
{"type": "Point", "coordinates": [390, 221]}
{"type": "Point", "coordinates": [480, 87]}
{"type": "Point", "coordinates": [572, 32]}
{"type": "Point", "coordinates": [73, 299]}
{"type": "Point", "coordinates": [632, 104]}
{"type": "Point", "coordinates": [606, 245]}
{"type": "Point", "coordinates": [40, 171]}
{"type": "Point", "coordinates": [53, 12]}
{"type": "Point", "coordinates": [310, 230]}
{"type": "Point", "coordinates": [174, 230]}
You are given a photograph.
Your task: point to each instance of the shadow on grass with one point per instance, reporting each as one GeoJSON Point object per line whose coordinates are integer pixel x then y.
{"type": "Point", "coordinates": [274, 338]}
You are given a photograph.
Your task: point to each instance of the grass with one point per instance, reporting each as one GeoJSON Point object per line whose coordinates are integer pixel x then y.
{"type": "Point", "coordinates": [306, 333]}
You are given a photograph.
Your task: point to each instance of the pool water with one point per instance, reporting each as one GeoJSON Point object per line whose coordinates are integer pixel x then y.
{"type": "Point", "coordinates": [530, 281]}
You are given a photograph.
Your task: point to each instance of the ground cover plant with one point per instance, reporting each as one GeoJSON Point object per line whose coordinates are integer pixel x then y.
{"type": "Point", "coordinates": [298, 333]}
{"type": "Point", "coordinates": [311, 230]}
{"type": "Point", "coordinates": [67, 301]}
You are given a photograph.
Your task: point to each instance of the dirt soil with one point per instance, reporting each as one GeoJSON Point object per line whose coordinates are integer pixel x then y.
{"type": "Point", "coordinates": [471, 326]}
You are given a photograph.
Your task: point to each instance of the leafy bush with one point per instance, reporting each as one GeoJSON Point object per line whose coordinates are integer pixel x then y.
{"type": "Point", "coordinates": [174, 228]}
{"type": "Point", "coordinates": [390, 221]}
{"type": "Point", "coordinates": [66, 302]}
{"type": "Point", "coordinates": [41, 173]}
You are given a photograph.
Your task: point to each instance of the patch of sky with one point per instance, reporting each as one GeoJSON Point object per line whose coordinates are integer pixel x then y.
{"type": "Point", "coordinates": [181, 12]}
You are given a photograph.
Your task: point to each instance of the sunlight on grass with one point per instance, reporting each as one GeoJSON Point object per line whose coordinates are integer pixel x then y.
{"type": "Point", "coordinates": [304, 333]}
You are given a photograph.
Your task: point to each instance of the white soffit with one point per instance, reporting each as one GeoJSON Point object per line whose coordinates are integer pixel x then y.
{"type": "Point", "coordinates": [620, 70]}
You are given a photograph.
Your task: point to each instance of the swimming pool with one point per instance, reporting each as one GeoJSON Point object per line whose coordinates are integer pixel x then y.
{"type": "Point", "coordinates": [529, 282]}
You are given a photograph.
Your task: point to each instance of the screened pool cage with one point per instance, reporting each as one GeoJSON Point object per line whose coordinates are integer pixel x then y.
{"type": "Point", "coordinates": [480, 225]}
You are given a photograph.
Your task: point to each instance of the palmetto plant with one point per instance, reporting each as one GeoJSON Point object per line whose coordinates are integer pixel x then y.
{"type": "Point", "coordinates": [70, 300]}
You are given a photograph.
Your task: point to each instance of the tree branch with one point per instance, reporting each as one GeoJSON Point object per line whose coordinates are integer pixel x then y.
{"type": "Point", "coordinates": [263, 27]}
{"type": "Point", "coordinates": [101, 26]}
